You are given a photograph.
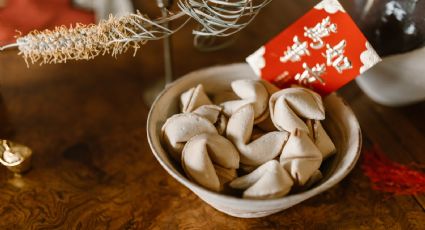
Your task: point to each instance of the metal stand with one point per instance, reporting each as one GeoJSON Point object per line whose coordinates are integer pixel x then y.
{"type": "Point", "coordinates": [150, 93]}
{"type": "Point", "coordinates": [168, 62]}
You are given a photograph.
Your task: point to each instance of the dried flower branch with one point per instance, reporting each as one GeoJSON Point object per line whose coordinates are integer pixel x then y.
{"type": "Point", "coordinates": [116, 35]}
{"type": "Point", "coordinates": [83, 42]}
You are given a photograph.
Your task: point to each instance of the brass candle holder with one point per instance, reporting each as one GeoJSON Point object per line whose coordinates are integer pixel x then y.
{"type": "Point", "coordinates": [16, 157]}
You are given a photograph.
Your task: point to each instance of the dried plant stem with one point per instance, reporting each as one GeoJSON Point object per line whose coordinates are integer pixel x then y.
{"type": "Point", "coordinates": [9, 46]}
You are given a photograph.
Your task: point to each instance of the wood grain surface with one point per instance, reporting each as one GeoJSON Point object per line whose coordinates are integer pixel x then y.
{"type": "Point", "coordinates": [93, 169]}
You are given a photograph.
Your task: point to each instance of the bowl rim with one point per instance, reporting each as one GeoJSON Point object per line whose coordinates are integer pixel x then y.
{"type": "Point", "coordinates": [336, 178]}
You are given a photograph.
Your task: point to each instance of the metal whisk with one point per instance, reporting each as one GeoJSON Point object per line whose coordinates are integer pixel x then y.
{"type": "Point", "coordinates": [216, 18]}
{"type": "Point", "coordinates": [219, 18]}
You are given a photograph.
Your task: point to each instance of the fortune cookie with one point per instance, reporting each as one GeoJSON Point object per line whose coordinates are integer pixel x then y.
{"type": "Point", "coordinates": [289, 107]}
{"type": "Point", "coordinates": [193, 98]}
{"type": "Point", "coordinates": [214, 115]}
{"type": "Point", "coordinates": [225, 175]}
{"type": "Point", "coordinates": [250, 92]}
{"type": "Point", "coordinates": [265, 148]}
{"type": "Point", "coordinates": [268, 181]}
{"type": "Point", "coordinates": [321, 138]}
{"type": "Point", "coordinates": [267, 124]}
{"type": "Point", "coordinates": [179, 128]}
{"type": "Point", "coordinates": [300, 157]}
{"type": "Point", "coordinates": [207, 157]}
{"type": "Point", "coordinates": [316, 177]}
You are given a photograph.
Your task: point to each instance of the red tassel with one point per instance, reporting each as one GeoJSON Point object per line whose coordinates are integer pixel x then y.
{"type": "Point", "coordinates": [391, 177]}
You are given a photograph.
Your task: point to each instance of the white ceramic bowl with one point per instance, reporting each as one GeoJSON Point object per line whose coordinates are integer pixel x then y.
{"type": "Point", "coordinates": [340, 123]}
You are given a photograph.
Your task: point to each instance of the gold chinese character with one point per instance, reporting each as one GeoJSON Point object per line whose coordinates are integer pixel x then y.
{"type": "Point", "coordinates": [311, 75]}
{"type": "Point", "coordinates": [322, 29]}
{"type": "Point", "coordinates": [296, 51]}
{"type": "Point", "coordinates": [335, 57]}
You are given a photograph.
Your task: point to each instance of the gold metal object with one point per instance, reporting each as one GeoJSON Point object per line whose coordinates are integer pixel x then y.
{"type": "Point", "coordinates": [16, 157]}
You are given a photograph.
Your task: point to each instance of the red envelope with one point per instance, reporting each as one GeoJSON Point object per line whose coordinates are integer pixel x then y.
{"type": "Point", "coordinates": [323, 50]}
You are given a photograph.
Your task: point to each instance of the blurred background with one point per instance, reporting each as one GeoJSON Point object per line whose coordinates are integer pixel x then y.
{"type": "Point", "coordinates": [86, 120]}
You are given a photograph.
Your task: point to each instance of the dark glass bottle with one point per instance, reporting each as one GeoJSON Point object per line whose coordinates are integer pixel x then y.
{"type": "Point", "coordinates": [392, 26]}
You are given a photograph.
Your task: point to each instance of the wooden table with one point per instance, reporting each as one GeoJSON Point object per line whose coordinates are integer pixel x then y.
{"type": "Point", "coordinates": [93, 168]}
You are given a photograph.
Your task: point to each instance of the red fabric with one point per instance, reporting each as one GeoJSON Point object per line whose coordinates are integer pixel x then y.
{"type": "Point", "coordinates": [27, 15]}
{"type": "Point", "coordinates": [392, 177]}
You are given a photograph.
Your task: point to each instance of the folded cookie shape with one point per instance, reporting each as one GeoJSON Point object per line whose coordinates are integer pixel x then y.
{"type": "Point", "coordinates": [320, 137]}
{"type": "Point", "coordinates": [207, 157]}
{"type": "Point", "coordinates": [214, 114]}
{"type": "Point", "coordinates": [300, 157]}
{"type": "Point", "coordinates": [289, 107]}
{"type": "Point", "coordinates": [179, 128]}
{"type": "Point", "coordinates": [210, 112]}
{"type": "Point", "coordinates": [193, 98]}
{"type": "Point", "coordinates": [265, 148]}
{"type": "Point", "coordinates": [225, 175]}
{"type": "Point", "coordinates": [267, 124]}
{"type": "Point", "coordinates": [315, 178]}
{"type": "Point", "coordinates": [268, 181]}
{"type": "Point", "coordinates": [250, 92]}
